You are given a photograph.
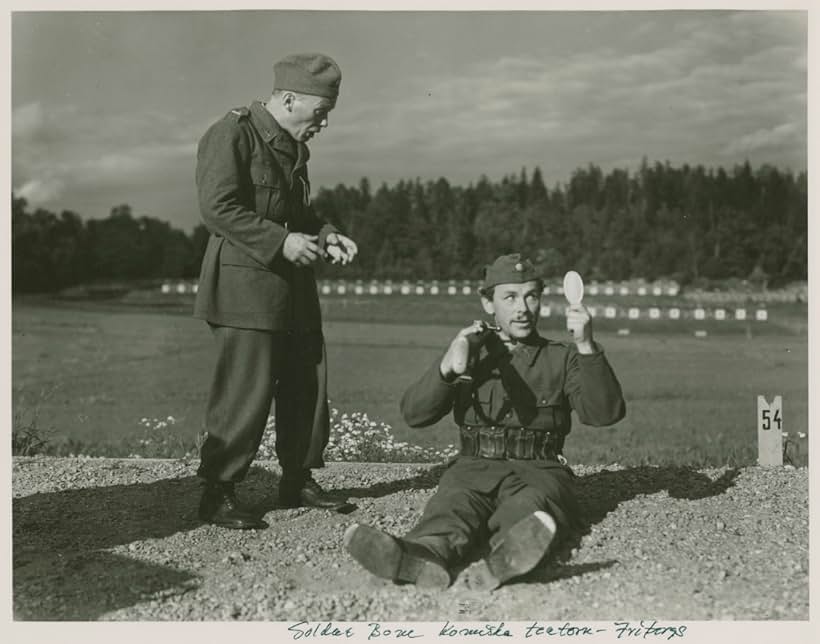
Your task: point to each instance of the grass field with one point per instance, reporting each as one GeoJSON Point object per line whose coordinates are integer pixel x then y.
{"type": "Point", "coordinates": [88, 374]}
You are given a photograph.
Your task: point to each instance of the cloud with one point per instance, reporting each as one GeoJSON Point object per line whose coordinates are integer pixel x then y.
{"type": "Point", "coordinates": [697, 94]}
{"type": "Point", "coordinates": [703, 87]}
{"type": "Point", "coordinates": [64, 148]}
{"type": "Point", "coordinates": [785, 133]}
{"type": "Point", "coordinates": [41, 191]}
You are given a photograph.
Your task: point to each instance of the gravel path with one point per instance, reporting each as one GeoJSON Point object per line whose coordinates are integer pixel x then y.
{"type": "Point", "coordinates": [109, 539]}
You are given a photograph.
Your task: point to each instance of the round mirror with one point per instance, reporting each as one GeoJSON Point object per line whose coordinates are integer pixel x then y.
{"type": "Point", "coordinates": [573, 287]}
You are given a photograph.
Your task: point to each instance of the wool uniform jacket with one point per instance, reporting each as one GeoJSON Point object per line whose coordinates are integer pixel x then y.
{"type": "Point", "coordinates": [536, 386]}
{"type": "Point", "coordinates": [253, 190]}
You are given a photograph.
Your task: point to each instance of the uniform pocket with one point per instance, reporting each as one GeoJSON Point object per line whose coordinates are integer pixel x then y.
{"type": "Point", "coordinates": [266, 190]}
{"type": "Point", "coordinates": [549, 417]}
{"type": "Point", "coordinates": [230, 255]}
{"type": "Point", "coordinates": [483, 405]}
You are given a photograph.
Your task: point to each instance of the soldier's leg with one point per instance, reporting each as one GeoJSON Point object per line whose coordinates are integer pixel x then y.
{"type": "Point", "coordinates": [238, 407]}
{"type": "Point", "coordinates": [453, 521]}
{"type": "Point", "coordinates": [302, 427]}
{"type": "Point", "coordinates": [240, 399]}
{"type": "Point", "coordinates": [535, 486]}
{"type": "Point", "coordinates": [532, 503]}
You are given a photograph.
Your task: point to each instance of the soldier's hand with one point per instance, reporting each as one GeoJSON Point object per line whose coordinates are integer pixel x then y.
{"type": "Point", "coordinates": [301, 249]}
{"type": "Point", "coordinates": [579, 324]}
{"type": "Point", "coordinates": [340, 249]}
{"type": "Point", "coordinates": [454, 363]}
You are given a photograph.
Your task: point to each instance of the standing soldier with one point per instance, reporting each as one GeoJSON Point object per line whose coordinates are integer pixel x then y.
{"type": "Point", "coordinates": [257, 290]}
{"type": "Point", "coordinates": [510, 488]}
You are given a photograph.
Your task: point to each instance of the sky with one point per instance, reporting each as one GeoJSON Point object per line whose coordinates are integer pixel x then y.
{"type": "Point", "coordinates": [107, 108]}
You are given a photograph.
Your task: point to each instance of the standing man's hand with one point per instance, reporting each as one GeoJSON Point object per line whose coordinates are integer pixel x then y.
{"type": "Point", "coordinates": [301, 249]}
{"type": "Point", "coordinates": [579, 324]}
{"type": "Point", "coordinates": [340, 249]}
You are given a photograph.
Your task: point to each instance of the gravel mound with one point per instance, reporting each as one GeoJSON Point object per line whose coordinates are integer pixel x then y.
{"type": "Point", "coordinates": [118, 539]}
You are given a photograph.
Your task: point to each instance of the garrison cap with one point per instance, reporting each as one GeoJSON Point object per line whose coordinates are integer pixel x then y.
{"type": "Point", "coordinates": [509, 269]}
{"type": "Point", "coordinates": [314, 74]}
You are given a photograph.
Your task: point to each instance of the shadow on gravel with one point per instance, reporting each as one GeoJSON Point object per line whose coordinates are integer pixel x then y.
{"type": "Point", "coordinates": [602, 492]}
{"type": "Point", "coordinates": [426, 480]}
{"type": "Point", "coordinates": [556, 571]}
{"type": "Point", "coordinates": [61, 567]}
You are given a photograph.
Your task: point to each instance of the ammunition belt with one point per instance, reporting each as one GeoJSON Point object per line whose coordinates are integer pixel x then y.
{"type": "Point", "coordinates": [518, 443]}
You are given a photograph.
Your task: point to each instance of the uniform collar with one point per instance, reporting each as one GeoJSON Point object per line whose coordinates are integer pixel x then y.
{"type": "Point", "coordinates": [530, 349]}
{"type": "Point", "coordinates": [275, 136]}
{"type": "Point", "coordinates": [527, 351]}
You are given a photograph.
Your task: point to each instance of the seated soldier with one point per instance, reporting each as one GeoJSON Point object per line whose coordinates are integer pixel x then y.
{"type": "Point", "coordinates": [510, 488]}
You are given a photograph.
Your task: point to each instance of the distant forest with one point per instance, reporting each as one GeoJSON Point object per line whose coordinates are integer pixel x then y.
{"type": "Point", "coordinates": [686, 223]}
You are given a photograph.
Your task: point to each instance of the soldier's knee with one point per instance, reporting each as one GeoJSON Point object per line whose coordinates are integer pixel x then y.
{"type": "Point", "coordinates": [531, 499]}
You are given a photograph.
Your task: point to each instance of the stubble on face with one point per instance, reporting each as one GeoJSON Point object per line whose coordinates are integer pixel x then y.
{"type": "Point", "coordinates": [516, 309]}
{"type": "Point", "coordinates": [310, 115]}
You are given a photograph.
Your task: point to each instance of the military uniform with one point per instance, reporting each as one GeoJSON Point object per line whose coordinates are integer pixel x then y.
{"type": "Point", "coordinates": [513, 417]}
{"type": "Point", "coordinates": [510, 487]}
{"type": "Point", "coordinates": [264, 310]}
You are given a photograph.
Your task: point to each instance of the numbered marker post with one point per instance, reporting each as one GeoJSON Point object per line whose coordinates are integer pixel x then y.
{"type": "Point", "coordinates": [769, 431]}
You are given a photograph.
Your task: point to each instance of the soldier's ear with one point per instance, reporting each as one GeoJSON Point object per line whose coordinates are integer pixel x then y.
{"type": "Point", "coordinates": [489, 307]}
{"type": "Point", "coordinates": [288, 99]}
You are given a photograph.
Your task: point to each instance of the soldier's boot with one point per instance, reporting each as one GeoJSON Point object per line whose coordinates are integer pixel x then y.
{"type": "Point", "coordinates": [520, 549]}
{"type": "Point", "coordinates": [396, 559]}
{"type": "Point", "coordinates": [303, 490]}
{"type": "Point", "coordinates": [220, 506]}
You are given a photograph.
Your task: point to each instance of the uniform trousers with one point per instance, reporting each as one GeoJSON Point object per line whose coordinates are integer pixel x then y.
{"type": "Point", "coordinates": [478, 500]}
{"type": "Point", "coordinates": [253, 369]}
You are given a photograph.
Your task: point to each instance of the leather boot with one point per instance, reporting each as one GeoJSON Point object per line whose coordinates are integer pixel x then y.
{"type": "Point", "coordinates": [520, 549]}
{"type": "Point", "coordinates": [305, 491]}
{"type": "Point", "coordinates": [396, 559]}
{"type": "Point", "coordinates": [220, 506]}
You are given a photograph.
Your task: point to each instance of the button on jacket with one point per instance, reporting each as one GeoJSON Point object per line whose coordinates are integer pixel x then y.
{"type": "Point", "coordinates": [253, 190]}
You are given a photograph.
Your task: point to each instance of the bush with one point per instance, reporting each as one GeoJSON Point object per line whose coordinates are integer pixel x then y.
{"type": "Point", "coordinates": [355, 437]}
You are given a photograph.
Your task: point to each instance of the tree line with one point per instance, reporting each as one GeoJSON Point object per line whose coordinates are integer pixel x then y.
{"type": "Point", "coordinates": [686, 223]}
